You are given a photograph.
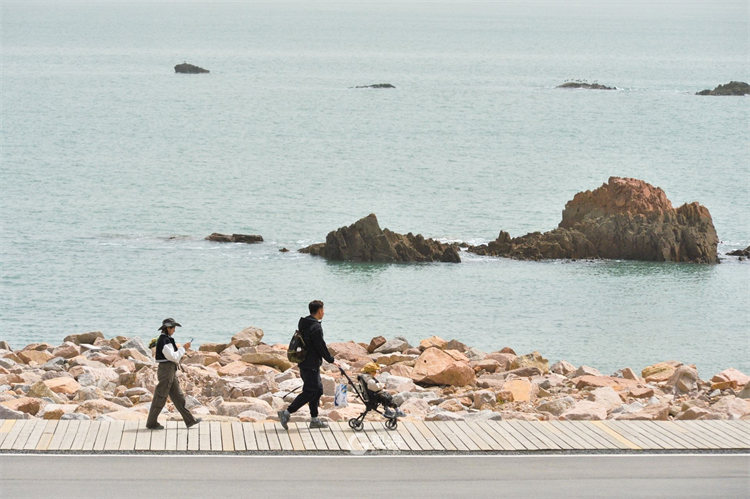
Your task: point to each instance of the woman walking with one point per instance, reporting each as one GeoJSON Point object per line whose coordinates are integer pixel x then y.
{"type": "Point", "coordinates": [168, 357]}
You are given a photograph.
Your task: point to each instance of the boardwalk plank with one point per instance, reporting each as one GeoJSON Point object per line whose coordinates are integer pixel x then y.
{"type": "Point", "coordinates": [525, 442]}
{"type": "Point", "coordinates": [451, 435]}
{"type": "Point", "coordinates": [172, 429]}
{"type": "Point", "coordinates": [603, 436]}
{"type": "Point", "coordinates": [49, 431]}
{"type": "Point", "coordinates": [114, 436]}
{"type": "Point", "coordinates": [660, 438]}
{"type": "Point", "coordinates": [36, 434]}
{"type": "Point", "coordinates": [215, 432]}
{"type": "Point", "coordinates": [340, 437]}
{"type": "Point", "coordinates": [484, 437]}
{"type": "Point", "coordinates": [70, 434]}
{"type": "Point", "coordinates": [238, 436]}
{"type": "Point", "coordinates": [295, 438]}
{"type": "Point", "coordinates": [416, 435]}
{"type": "Point", "coordinates": [194, 437]}
{"type": "Point", "coordinates": [713, 432]}
{"type": "Point", "coordinates": [158, 439]}
{"type": "Point", "coordinates": [469, 429]}
{"type": "Point", "coordinates": [227, 438]}
{"type": "Point", "coordinates": [731, 430]}
{"type": "Point", "coordinates": [330, 439]}
{"type": "Point", "coordinates": [5, 426]}
{"type": "Point", "coordinates": [667, 433]}
{"type": "Point", "coordinates": [533, 431]}
{"type": "Point", "coordinates": [457, 429]}
{"type": "Point", "coordinates": [283, 436]}
{"type": "Point", "coordinates": [273, 439]}
{"type": "Point", "coordinates": [562, 439]}
{"type": "Point", "coordinates": [404, 435]}
{"type": "Point", "coordinates": [353, 439]}
{"type": "Point", "coordinates": [204, 436]}
{"type": "Point", "coordinates": [304, 433]}
{"type": "Point", "coordinates": [505, 434]}
{"type": "Point", "coordinates": [580, 439]}
{"type": "Point", "coordinates": [182, 438]}
{"type": "Point", "coordinates": [375, 440]}
{"type": "Point", "coordinates": [694, 435]}
{"type": "Point", "coordinates": [250, 442]}
{"type": "Point", "coordinates": [81, 433]}
{"type": "Point", "coordinates": [317, 436]}
{"type": "Point", "coordinates": [437, 431]}
{"type": "Point", "coordinates": [428, 435]}
{"type": "Point", "coordinates": [629, 432]}
{"type": "Point", "coordinates": [101, 435]}
{"type": "Point", "coordinates": [390, 438]}
{"type": "Point", "coordinates": [143, 436]}
{"type": "Point", "coordinates": [24, 434]}
{"type": "Point", "coordinates": [129, 434]}
{"type": "Point", "coordinates": [617, 436]}
{"type": "Point", "coordinates": [12, 435]}
{"type": "Point", "coordinates": [260, 436]}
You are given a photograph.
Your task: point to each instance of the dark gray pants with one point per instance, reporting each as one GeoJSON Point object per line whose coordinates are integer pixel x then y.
{"type": "Point", "coordinates": [168, 386]}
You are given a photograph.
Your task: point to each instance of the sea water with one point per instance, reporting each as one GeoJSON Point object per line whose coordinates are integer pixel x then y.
{"type": "Point", "coordinates": [114, 168]}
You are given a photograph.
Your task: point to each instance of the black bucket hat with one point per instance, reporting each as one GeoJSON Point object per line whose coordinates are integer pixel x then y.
{"type": "Point", "coordinates": [167, 323]}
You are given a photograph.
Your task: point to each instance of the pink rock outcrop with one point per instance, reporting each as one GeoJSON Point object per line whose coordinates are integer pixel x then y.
{"type": "Point", "coordinates": [625, 218]}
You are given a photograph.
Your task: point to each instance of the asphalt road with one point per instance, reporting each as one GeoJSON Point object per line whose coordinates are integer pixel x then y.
{"type": "Point", "coordinates": [116, 476]}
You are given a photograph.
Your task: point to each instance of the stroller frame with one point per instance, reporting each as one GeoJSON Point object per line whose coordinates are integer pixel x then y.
{"type": "Point", "coordinates": [357, 424]}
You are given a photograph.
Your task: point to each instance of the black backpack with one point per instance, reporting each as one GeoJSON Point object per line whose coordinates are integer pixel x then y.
{"type": "Point", "coordinates": [297, 350]}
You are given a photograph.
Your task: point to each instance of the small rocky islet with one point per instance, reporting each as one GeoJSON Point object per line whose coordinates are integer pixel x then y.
{"type": "Point", "coordinates": [90, 377]}
{"type": "Point", "coordinates": [736, 88]}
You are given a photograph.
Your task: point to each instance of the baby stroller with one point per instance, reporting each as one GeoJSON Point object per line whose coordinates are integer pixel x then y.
{"type": "Point", "coordinates": [371, 404]}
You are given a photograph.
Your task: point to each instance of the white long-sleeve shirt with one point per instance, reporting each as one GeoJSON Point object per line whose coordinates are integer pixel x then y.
{"type": "Point", "coordinates": [171, 354]}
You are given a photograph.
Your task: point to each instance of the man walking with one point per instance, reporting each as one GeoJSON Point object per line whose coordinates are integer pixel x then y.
{"type": "Point", "coordinates": [309, 369]}
{"type": "Point", "coordinates": [168, 357]}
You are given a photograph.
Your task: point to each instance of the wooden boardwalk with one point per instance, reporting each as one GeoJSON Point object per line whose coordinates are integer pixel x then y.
{"type": "Point", "coordinates": [38, 435]}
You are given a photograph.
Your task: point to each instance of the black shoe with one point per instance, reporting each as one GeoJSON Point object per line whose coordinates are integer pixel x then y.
{"type": "Point", "coordinates": [197, 420]}
{"type": "Point", "coordinates": [284, 418]}
{"type": "Point", "coordinates": [157, 426]}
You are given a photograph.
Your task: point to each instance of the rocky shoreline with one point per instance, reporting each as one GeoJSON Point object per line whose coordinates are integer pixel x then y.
{"type": "Point", "coordinates": [92, 377]}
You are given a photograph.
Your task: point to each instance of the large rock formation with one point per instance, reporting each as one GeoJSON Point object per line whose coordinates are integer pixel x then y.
{"type": "Point", "coordinates": [189, 69]}
{"type": "Point", "coordinates": [365, 241]}
{"type": "Point", "coordinates": [623, 219]}
{"type": "Point", "coordinates": [731, 88]}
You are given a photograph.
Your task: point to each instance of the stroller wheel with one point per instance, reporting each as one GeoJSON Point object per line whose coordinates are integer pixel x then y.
{"type": "Point", "coordinates": [391, 424]}
{"type": "Point", "coordinates": [355, 424]}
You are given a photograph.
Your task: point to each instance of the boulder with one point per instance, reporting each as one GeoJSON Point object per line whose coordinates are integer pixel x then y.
{"type": "Point", "coordinates": [562, 367]}
{"type": "Point", "coordinates": [432, 341]}
{"type": "Point", "coordinates": [275, 359]}
{"type": "Point", "coordinates": [34, 356]}
{"type": "Point", "coordinates": [201, 358]}
{"type": "Point", "coordinates": [653, 412]}
{"type": "Point", "coordinates": [397, 344]}
{"type": "Point", "coordinates": [88, 338]}
{"type": "Point", "coordinates": [375, 343]}
{"type": "Point", "coordinates": [440, 367]}
{"type": "Point", "coordinates": [137, 344]}
{"type": "Point", "coordinates": [745, 392]}
{"type": "Point", "coordinates": [67, 350]}
{"type": "Point", "coordinates": [740, 252]}
{"type": "Point", "coordinates": [96, 407]}
{"type": "Point", "coordinates": [533, 359]}
{"type": "Point", "coordinates": [348, 351]}
{"type": "Point", "coordinates": [252, 404]}
{"type": "Point", "coordinates": [623, 219]}
{"type": "Point", "coordinates": [395, 358]}
{"type": "Point", "coordinates": [733, 407]}
{"type": "Point", "coordinates": [41, 390]}
{"type": "Point", "coordinates": [248, 337]}
{"type": "Point", "coordinates": [641, 392]}
{"type": "Point", "coordinates": [585, 410]}
{"type": "Point", "coordinates": [487, 365]}
{"type": "Point", "coordinates": [29, 405]}
{"type": "Point", "coordinates": [605, 396]}
{"type": "Point", "coordinates": [237, 368]}
{"type": "Point", "coordinates": [729, 378]}
{"type": "Point", "coordinates": [585, 371]}
{"type": "Point", "coordinates": [189, 69]}
{"type": "Point", "coordinates": [556, 406]}
{"type": "Point", "coordinates": [251, 416]}
{"type": "Point", "coordinates": [235, 238]}
{"type": "Point", "coordinates": [732, 88]}
{"type": "Point", "coordinates": [63, 384]}
{"type": "Point", "coordinates": [660, 372]}
{"type": "Point", "coordinates": [522, 390]}
{"type": "Point", "coordinates": [484, 398]}
{"type": "Point", "coordinates": [683, 380]}
{"type": "Point", "coordinates": [213, 347]}
{"type": "Point", "coordinates": [7, 413]}
{"type": "Point", "coordinates": [55, 411]}
{"type": "Point", "coordinates": [504, 359]}
{"type": "Point", "coordinates": [365, 241]}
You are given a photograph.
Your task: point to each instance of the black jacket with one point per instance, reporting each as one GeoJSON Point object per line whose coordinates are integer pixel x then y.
{"type": "Point", "coordinates": [312, 333]}
{"type": "Point", "coordinates": [164, 339]}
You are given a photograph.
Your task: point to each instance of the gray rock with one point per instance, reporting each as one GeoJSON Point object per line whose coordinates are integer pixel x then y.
{"type": "Point", "coordinates": [445, 416]}
{"type": "Point", "coordinates": [7, 363]}
{"type": "Point", "coordinates": [191, 402]}
{"type": "Point", "coordinates": [397, 344]}
{"type": "Point", "coordinates": [6, 413]}
{"type": "Point", "coordinates": [186, 68]}
{"type": "Point", "coordinates": [87, 338]}
{"type": "Point", "coordinates": [137, 344]}
{"type": "Point", "coordinates": [56, 364]}
{"type": "Point", "coordinates": [4, 345]}
{"type": "Point", "coordinates": [557, 406]}
{"type": "Point", "coordinates": [480, 416]}
{"type": "Point", "coordinates": [402, 397]}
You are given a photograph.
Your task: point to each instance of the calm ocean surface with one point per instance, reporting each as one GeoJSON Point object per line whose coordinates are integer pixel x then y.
{"type": "Point", "coordinates": [107, 154]}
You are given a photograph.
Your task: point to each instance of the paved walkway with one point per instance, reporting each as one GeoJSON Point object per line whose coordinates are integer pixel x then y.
{"type": "Point", "coordinates": [35, 435]}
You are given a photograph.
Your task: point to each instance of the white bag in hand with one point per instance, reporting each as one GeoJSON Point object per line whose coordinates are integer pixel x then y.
{"type": "Point", "coordinates": [339, 396]}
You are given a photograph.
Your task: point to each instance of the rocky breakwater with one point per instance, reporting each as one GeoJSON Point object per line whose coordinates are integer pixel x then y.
{"type": "Point", "coordinates": [89, 376]}
{"type": "Point", "coordinates": [365, 241]}
{"type": "Point", "coordinates": [186, 68]}
{"type": "Point", "coordinates": [625, 218]}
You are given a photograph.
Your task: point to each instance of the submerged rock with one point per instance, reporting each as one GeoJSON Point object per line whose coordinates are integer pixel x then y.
{"type": "Point", "coordinates": [731, 88]}
{"type": "Point", "coordinates": [586, 85]}
{"type": "Point", "coordinates": [235, 238]}
{"type": "Point", "coordinates": [189, 69]}
{"type": "Point", "coordinates": [365, 241]}
{"type": "Point", "coordinates": [741, 252]}
{"type": "Point", "coordinates": [376, 85]}
{"type": "Point", "coordinates": [625, 218]}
